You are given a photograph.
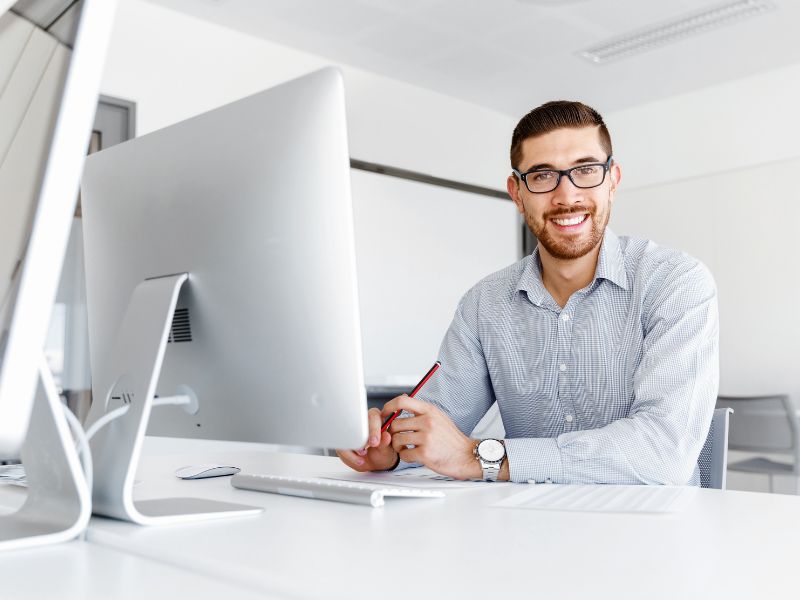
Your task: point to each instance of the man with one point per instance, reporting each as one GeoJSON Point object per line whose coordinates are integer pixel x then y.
{"type": "Point", "coordinates": [600, 351]}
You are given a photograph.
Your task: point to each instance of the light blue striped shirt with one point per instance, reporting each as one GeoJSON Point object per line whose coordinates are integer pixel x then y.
{"type": "Point", "coordinates": [619, 386]}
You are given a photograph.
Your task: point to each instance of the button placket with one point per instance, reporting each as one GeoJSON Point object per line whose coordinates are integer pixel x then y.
{"type": "Point", "coordinates": [564, 346]}
{"type": "Point", "coordinates": [565, 367]}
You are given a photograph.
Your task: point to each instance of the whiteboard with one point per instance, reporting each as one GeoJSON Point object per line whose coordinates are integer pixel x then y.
{"type": "Point", "coordinates": [419, 248]}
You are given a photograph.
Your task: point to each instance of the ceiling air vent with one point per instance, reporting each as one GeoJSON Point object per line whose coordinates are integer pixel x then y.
{"type": "Point", "coordinates": [181, 328]}
{"type": "Point", "coordinates": [677, 29]}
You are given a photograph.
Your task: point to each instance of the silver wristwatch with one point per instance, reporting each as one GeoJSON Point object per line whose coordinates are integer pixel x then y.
{"type": "Point", "coordinates": [490, 453]}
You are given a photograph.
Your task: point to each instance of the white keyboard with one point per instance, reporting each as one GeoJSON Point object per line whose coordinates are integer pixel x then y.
{"type": "Point", "coordinates": [328, 489]}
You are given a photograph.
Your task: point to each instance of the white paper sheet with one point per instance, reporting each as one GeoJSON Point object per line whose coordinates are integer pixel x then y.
{"type": "Point", "coordinates": [416, 477]}
{"type": "Point", "coordinates": [602, 498]}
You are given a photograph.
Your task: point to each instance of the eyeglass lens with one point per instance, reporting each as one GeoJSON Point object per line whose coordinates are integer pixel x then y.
{"type": "Point", "coordinates": [582, 176]}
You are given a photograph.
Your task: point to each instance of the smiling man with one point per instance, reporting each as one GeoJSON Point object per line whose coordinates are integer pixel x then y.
{"type": "Point", "coordinates": [600, 351]}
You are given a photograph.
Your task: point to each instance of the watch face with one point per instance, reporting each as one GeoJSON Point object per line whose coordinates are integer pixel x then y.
{"type": "Point", "coordinates": [491, 450]}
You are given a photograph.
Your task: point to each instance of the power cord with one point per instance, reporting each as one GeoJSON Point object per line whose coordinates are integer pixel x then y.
{"type": "Point", "coordinates": [81, 444]}
{"type": "Point", "coordinates": [83, 437]}
{"type": "Point", "coordinates": [84, 451]}
{"type": "Point", "coordinates": [118, 412]}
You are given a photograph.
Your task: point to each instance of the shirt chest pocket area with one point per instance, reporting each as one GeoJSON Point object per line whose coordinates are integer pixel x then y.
{"type": "Point", "coordinates": [519, 356]}
{"type": "Point", "coordinates": [606, 354]}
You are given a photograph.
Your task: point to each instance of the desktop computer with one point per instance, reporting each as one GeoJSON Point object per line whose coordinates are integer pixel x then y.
{"type": "Point", "coordinates": [220, 269]}
{"type": "Point", "coordinates": [48, 94]}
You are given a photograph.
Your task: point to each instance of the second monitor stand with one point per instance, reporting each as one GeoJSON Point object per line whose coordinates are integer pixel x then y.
{"type": "Point", "coordinates": [132, 372]}
{"type": "Point", "coordinates": [58, 506]}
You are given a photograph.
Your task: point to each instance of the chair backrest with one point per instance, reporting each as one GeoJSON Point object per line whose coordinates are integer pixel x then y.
{"type": "Point", "coordinates": [767, 423]}
{"type": "Point", "coordinates": [713, 459]}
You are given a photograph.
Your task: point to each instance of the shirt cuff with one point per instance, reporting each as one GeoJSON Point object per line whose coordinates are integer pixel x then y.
{"type": "Point", "coordinates": [404, 465]}
{"type": "Point", "coordinates": [536, 459]}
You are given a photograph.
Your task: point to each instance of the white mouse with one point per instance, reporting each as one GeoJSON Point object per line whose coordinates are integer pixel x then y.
{"type": "Point", "coordinates": [203, 471]}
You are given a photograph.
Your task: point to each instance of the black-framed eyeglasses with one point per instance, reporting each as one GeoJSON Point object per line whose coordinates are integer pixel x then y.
{"type": "Point", "coordinates": [541, 181]}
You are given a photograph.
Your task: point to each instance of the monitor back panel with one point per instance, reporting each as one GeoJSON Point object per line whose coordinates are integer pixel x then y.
{"type": "Point", "coordinates": [253, 201]}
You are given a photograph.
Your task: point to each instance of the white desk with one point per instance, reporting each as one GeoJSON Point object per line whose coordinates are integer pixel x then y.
{"type": "Point", "coordinates": [724, 545]}
{"type": "Point", "coordinates": [83, 571]}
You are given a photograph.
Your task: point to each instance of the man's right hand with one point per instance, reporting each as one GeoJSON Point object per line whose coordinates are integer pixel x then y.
{"type": "Point", "coordinates": [378, 454]}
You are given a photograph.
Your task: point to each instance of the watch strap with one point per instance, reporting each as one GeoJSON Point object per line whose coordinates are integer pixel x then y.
{"type": "Point", "coordinates": [491, 470]}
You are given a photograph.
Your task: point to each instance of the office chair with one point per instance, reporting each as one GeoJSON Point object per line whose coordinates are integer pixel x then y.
{"type": "Point", "coordinates": [713, 459]}
{"type": "Point", "coordinates": [769, 424]}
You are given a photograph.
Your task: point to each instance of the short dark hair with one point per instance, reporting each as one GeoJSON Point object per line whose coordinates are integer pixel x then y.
{"type": "Point", "coordinates": [558, 114]}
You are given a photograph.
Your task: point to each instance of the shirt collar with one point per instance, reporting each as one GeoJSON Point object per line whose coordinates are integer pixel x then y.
{"type": "Point", "coordinates": [610, 266]}
{"type": "Point", "coordinates": [611, 262]}
{"type": "Point", "coordinates": [530, 279]}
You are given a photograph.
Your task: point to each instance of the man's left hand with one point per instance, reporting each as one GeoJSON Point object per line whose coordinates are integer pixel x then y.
{"type": "Point", "coordinates": [438, 443]}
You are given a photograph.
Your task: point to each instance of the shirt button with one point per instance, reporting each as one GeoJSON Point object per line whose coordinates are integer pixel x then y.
{"type": "Point", "coordinates": [568, 418]}
{"type": "Point", "coordinates": [564, 317]}
{"type": "Point", "coordinates": [562, 367]}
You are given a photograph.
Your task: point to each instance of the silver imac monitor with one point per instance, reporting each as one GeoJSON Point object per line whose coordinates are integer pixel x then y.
{"type": "Point", "coordinates": [51, 58]}
{"type": "Point", "coordinates": [252, 202]}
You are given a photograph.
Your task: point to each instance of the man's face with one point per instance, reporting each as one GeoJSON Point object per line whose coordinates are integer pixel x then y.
{"type": "Point", "coordinates": [569, 222]}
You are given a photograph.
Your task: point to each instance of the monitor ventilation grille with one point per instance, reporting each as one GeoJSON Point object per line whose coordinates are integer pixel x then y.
{"type": "Point", "coordinates": [181, 327]}
{"type": "Point", "coordinates": [677, 29]}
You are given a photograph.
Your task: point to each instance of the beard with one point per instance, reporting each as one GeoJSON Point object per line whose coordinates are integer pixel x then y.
{"type": "Point", "coordinates": [569, 249]}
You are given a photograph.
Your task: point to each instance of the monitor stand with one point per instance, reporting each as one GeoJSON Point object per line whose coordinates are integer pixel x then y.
{"type": "Point", "coordinates": [58, 505]}
{"type": "Point", "coordinates": [134, 367]}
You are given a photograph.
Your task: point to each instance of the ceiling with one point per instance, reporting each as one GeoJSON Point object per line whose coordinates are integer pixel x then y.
{"type": "Point", "coordinates": [510, 55]}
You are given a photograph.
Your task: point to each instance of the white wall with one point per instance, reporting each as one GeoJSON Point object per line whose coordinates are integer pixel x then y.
{"type": "Point", "coordinates": [743, 123]}
{"type": "Point", "coordinates": [713, 173]}
{"type": "Point", "coordinates": [409, 281]}
{"type": "Point", "coordinates": [175, 66]}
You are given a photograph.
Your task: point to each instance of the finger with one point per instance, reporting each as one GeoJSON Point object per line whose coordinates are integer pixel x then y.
{"type": "Point", "coordinates": [406, 424]}
{"type": "Point", "coordinates": [386, 439]}
{"type": "Point", "coordinates": [406, 438]}
{"type": "Point", "coordinates": [411, 455]}
{"type": "Point", "coordinates": [418, 407]}
{"type": "Point", "coordinates": [374, 417]}
{"type": "Point", "coordinates": [350, 458]}
{"type": "Point", "coordinates": [386, 413]}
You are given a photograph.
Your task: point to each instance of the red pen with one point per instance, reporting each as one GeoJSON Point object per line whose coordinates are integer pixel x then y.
{"type": "Point", "coordinates": [413, 393]}
{"type": "Point", "coordinates": [417, 388]}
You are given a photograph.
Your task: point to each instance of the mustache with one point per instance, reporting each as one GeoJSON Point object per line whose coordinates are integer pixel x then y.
{"type": "Point", "coordinates": [572, 210]}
